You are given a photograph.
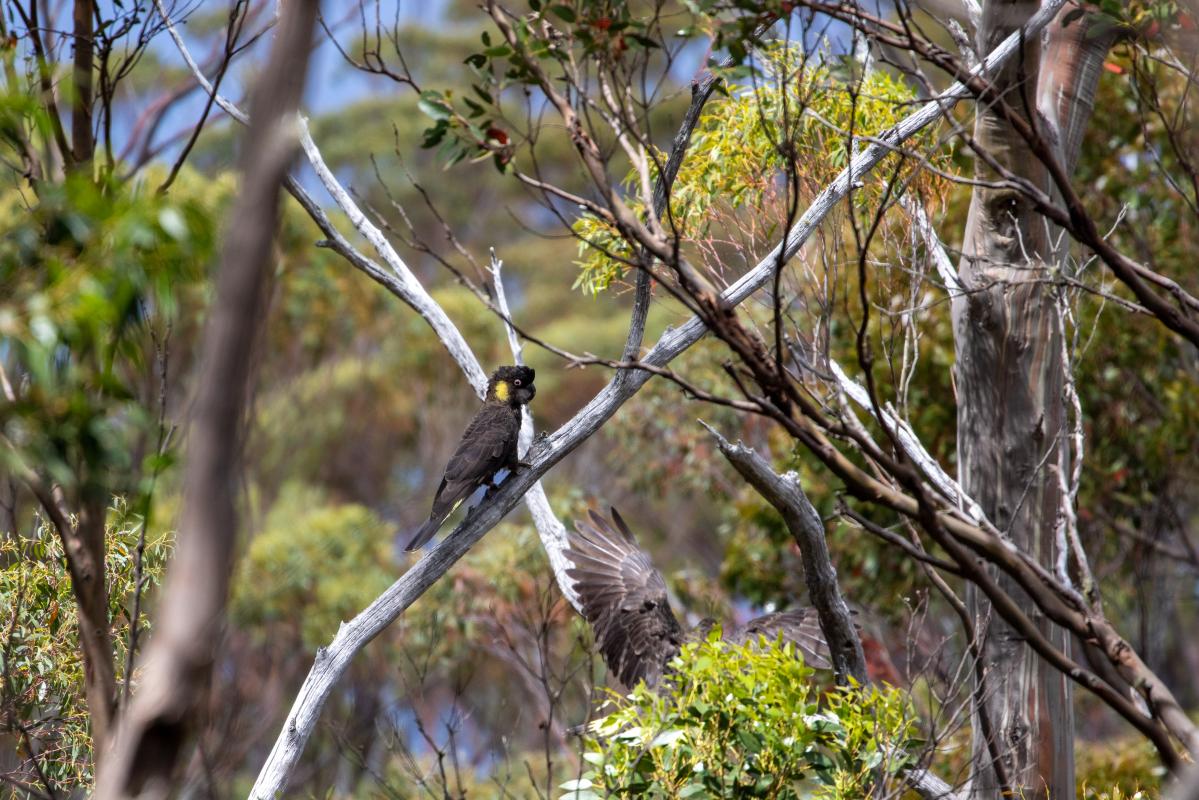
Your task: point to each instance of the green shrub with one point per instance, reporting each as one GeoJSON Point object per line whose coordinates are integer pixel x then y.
{"type": "Point", "coordinates": [1122, 768]}
{"type": "Point", "coordinates": [746, 721]}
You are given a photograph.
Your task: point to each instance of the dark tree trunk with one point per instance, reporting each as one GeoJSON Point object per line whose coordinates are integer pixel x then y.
{"type": "Point", "coordinates": [8, 506]}
{"type": "Point", "coordinates": [82, 142]}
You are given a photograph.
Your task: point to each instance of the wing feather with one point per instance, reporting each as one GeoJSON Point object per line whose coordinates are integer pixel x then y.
{"type": "Point", "coordinates": [483, 450]}
{"type": "Point", "coordinates": [487, 446]}
{"type": "Point", "coordinates": [800, 626]}
{"type": "Point", "coordinates": [624, 599]}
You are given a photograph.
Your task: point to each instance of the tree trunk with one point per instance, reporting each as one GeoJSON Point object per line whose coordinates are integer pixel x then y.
{"type": "Point", "coordinates": [188, 625]}
{"type": "Point", "coordinates": [8, 507]}
{"type": "Point", "coordinates": [85, 560]}
{"type": "Point", "coordinates": [1009, 379]}
{"type": "Point", "coordinates": [83, 143]}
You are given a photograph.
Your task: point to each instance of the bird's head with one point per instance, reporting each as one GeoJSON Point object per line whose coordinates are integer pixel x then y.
{"type": "Point", "coordinates": [512, 385]}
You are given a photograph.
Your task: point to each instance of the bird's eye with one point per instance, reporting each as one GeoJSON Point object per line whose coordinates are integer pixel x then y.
{"type": "Point", "coordinates": [517, 381]}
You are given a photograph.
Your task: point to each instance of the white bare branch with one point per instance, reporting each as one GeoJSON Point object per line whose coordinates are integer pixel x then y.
{"type": "Point", "coordinates": [910, 443]}
{"type": "Point", "coordinates": [936, 249]}
{"type": "Point", "coordinates": [404, 283]}
{"type": "Point", "coordinates": [549, 527]}
{"type": "Point", "coordinates": [409, 288]}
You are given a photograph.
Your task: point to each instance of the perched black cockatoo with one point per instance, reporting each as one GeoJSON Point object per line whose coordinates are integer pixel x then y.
{"type": "Point", "coordinates": [487, 446]}
{"type": "Point", "coordinates": [624, 599]}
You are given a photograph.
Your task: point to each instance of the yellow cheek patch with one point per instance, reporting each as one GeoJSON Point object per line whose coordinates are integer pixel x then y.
{"type": "Point", "coordinates": [501, 391]}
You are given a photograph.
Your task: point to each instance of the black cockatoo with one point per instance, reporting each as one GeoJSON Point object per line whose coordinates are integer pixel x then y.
{"type": "Point", "coordinates": [487, 446]}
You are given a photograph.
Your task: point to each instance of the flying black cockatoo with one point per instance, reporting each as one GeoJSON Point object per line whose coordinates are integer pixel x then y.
{"type": "Point", "coordinates": [487, 446]}
{"type": "Point", "coordinates": [624, 599]}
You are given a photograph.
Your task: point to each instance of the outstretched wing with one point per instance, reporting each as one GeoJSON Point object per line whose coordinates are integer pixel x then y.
{"type": "Point", "coordinates": [624, 599]}
{"type": "Point", "coordinates": [800, 626]}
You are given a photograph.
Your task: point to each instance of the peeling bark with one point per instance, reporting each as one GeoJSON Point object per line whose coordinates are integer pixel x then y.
{"type": "Point", "coordinates": [1010, 420]}
{"type": "Point", "coordinates": [1010, 380]}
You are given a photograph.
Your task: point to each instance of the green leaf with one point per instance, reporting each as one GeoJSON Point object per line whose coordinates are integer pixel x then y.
{"type": "Point", "coordinates": [483, 93]}
{"type": "Point", "coordinates": [574, 785]}
{"type": "Point", "coordinates": [456, 156]}
{"type": "Point", "coordinates": [668, 738]}
{"type": "Point", "coordinates": [749, 740]}
{"type": "Point", "coordinates": [434, 135]}
{"type": "Point", "coordinates": [434, 105]}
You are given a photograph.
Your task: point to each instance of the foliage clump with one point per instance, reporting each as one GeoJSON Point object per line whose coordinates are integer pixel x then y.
{"type": "Point", "coordinates": [1126, 768]}
{"type": "Point", "coordinates": [795, 111]}
{"type": "Point", "coordinates": [742, 722]}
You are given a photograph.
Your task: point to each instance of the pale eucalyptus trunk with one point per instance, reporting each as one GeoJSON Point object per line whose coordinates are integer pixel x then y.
{"type": "Point", "coordinates": [1010, 380]}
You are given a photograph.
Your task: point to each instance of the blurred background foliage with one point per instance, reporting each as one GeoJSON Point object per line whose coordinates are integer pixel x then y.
{"type": "Point", "coordinates": [102, 295]}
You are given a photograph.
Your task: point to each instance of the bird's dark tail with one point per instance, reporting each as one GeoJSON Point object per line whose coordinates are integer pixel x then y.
{"type": "Point", "coordinates": [426, 532]}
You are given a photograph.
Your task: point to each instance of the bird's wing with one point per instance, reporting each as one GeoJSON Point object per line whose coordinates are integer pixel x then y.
{"type": "Point", "coordinates": [624, 599]}
{"type": "Point", "coordinates": [800, 626]}
{"type": "Point", "coordinates": [488, 444]}
{"type": "Point", "coordinates": [484, 446]}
